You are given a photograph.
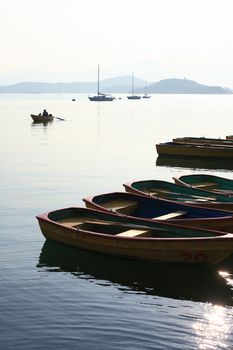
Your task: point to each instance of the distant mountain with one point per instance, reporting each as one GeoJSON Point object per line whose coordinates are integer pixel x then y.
{"type": "Point", "coordinates": [184, 86]}
{"type": "Point", "coordinates": [117, 85]}
{"type": "Point", "coordinates": [30, 87]}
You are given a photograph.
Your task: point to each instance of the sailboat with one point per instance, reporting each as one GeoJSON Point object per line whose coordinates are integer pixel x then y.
{"type": "Point", "coordinates": [133, 97]}
{"type": "Point", "coordinates": [145, 94]}
{"type": "Point", "coordinates": [100, 96]}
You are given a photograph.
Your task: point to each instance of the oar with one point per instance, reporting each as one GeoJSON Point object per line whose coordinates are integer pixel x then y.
{"type": "Point", "coordinates": [59, 118]}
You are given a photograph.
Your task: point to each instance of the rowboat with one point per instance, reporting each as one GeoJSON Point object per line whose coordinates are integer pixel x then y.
{"type": "Point", "coordinates": [203, 140]}
{"type": "Point", "coordinates": [195, 150]}
{"type": "Point", "coordinates": [37, 118]}
{"type": "Point", "coordinates": [180, 194]}
{"type": "Point", "coordinates": [113, 234]}
{"type": "Point", "coordinates": [210, 183]}
{"type": "Point", "coordinates": [152, 209]}
{"type": "Point", "coordinates": [229, 137]}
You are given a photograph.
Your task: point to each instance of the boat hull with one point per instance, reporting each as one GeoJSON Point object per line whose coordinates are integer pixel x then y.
{"type": "Point", "coordinates": [134, 97]}
{"type": "Point", "coordinates": [41, 118]}
{"type": "Point", "coordinates": [101, 98]}
{"type": "Point", "coordinates": [187, 150]}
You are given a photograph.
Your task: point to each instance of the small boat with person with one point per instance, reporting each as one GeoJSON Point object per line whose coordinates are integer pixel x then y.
{"type": "Point", "coordinates": [210, 183]}
{"type": "Point", "coordinates": [153, 209]}
{"type": "Point", "coordinates": [44, 117]}
{"type": "Point", "coordinates": [180, 194]}
{"type": "Point", "coordinates": [112, 234]}
{"type": "Point", "coordinates": [40, 118]}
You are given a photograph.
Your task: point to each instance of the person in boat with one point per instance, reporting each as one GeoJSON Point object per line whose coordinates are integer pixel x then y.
{"type": "Point", "coordinates": [45, 113]}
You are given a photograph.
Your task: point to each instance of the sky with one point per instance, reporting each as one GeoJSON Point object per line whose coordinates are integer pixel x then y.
{"type": "Point", "coordinates": [65, 40]}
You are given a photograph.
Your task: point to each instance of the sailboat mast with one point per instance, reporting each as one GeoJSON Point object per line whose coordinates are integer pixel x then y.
{"type": "Point", "coordinates": [98, 79]}
{"type": "Point", "coordinates": [132, 83]}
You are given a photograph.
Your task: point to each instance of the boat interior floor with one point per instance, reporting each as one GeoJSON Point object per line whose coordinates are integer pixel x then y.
{"type": "Point", "coordinates": [127, 230]}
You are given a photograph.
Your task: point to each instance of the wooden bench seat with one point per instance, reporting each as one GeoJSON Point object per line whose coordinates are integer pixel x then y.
{"type": "Point", "coordinates": [205, 185]}
{"type": "Point", "coordinates": [121, 205]}
{"type": "Point", "coordinates": [133, 233]}
{"type": "Point", "coordinates": [72, 222]}
{"type": "Point", "coordinates": [174, 215]}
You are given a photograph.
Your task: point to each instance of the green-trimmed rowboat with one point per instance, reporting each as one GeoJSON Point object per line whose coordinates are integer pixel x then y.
{"type": "Point", "coordinates": [181, 194]}
{"type": "Point", "coordinates": [210, 183]}
{"type": "Point", "coordinates": [152, 209]}
{"type": "Point", "coordinates": [109, 233]}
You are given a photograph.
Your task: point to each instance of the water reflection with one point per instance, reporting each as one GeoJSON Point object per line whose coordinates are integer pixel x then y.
{"type": "Point", "coordinates": [37, 124]}
{"type": "Point", "coordinates": [194, 163]}
{"type": "Point", "coordinates": [213, 329]}
{"type": "Point", "coordinates": [195, 283]}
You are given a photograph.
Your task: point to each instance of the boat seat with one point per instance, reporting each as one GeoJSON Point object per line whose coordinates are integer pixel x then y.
{"type": "Point", "coordinates": [158, 192]}
{"type": "Point", "coordinates": [133, 233]}
{"type": "Point", "coordinates": [97, 222]}
{"type": "Point", "coordinates": [205, 185]}
{"type": "Point", "coordinates": [121, 206]}
{"type": "Point", "coordinates": [174, 215]}
{"type": "Point", "coordinates": [72, 222]}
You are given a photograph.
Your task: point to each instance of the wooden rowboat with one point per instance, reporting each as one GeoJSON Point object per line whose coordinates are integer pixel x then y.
{"type": "Point", "coordinates": [112, 234]}
{"type": "Point", "coordinates": [194, 150]}
{"type": "Point", "coordinates": [203, 141]}
{"type": "Point", "coordinates": [181, 194]}
{"type": "Point", "coordinates": [42, 119]}
{"type": "Point", "coordinates": [153, 209]}
{"type": "Point", "coordinates": [210, 183]}
{"type": "Point", "coordinates": [229, 137]}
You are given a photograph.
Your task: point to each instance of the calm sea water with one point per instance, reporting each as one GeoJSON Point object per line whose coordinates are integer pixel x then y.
{"type": "Point", "coordinates": [57, 297]}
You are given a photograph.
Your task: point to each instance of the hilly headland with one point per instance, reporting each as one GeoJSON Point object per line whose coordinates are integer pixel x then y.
{"type": "Point", "coordinates": [121, 84]}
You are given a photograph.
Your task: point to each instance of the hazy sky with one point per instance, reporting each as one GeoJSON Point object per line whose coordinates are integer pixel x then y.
{"type": "Point", "coordinates": [64, 40]}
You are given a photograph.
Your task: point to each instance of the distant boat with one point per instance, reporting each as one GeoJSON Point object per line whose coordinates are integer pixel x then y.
{"type": "Point", "coordinates": [146, 94]}
{"type": "Point", "coordinates": [133, 97]}
{"type": "Point", "coordinates": [100, 96]}
{"type": "Point", "coordinates": [39, 118]}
